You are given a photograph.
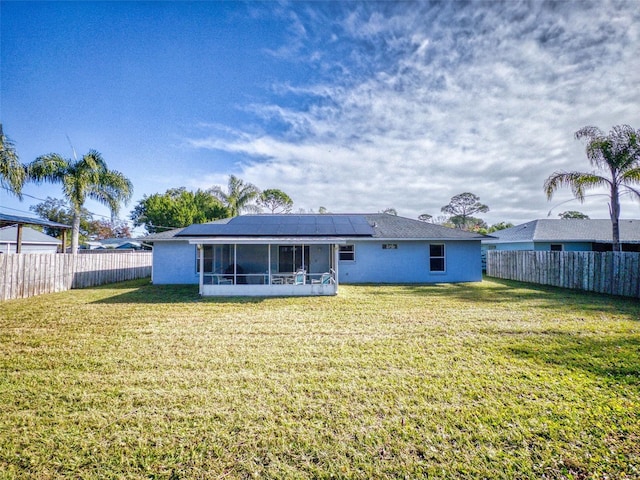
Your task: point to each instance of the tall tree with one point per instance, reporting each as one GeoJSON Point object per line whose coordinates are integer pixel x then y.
{"type": "Point", "coordinates": [175, 208]}
{"type": "Point", "coordinates": [617, 156]}
{"type": "Point", "coordinates": [572, 214]}
{"type": "Point", "coordinates": [12, 172]}
{"type": "Point", "coordinates": [469, 223]}
{"type": "Point", "coordinates": [85, 178]}
{"type": "Point", "coordinates": [59, 211]}
{"type": "Point", "coordinates": [104, 229]}
{"type": "Point", "coordinates": [390, 211]}
{"type": "Point", "coordinates": [462, 207]}
{"type": "Point", "coordinates": [499, 226]}
{"type": "Point", "coordinates": [275, 200]}
{"type": "Point", "coordinates": [238, 197]}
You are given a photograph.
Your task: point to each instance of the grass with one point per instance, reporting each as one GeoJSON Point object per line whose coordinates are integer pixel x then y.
{"type": "Point", "coordinates": [488, 380]}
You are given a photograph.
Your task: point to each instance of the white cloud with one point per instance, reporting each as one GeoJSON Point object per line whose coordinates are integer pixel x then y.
{"type": "Point", "coordinates": [435, 101]}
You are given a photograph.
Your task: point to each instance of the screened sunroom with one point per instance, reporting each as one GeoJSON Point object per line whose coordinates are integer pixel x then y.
{"type": "Point", "coordinates": [253, 267]}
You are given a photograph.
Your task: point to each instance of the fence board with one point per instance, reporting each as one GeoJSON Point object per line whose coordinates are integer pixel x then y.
{"type": "Point", "coordinates": [26, 274]}
{"type": "Point", "coordinates": [615, 273]}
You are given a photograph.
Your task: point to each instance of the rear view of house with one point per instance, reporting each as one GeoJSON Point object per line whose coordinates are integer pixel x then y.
{"type": "Point", "coordinates": [312, 254]}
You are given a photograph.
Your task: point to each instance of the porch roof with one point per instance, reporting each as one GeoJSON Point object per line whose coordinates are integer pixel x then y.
{"type": "Point", "coordinates": [268, 240]}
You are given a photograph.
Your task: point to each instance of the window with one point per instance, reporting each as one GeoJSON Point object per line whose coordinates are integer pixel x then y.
{"type": "Point", "coordinates": [436, 257]}
{"type": "Point", "coordinates": [556, 247]}
{"type": "Point", "coordinates": [389, 246]}
{"type": "Point", "coordinates": [293, 257]}
{"type": "Point", "coordinates": [347, 253]}
{"type": "Point", "coordinates": [217, 258]}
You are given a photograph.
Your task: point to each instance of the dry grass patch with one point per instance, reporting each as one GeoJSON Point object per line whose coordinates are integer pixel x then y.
{"type": "Point", "coordinates": [491, 380]}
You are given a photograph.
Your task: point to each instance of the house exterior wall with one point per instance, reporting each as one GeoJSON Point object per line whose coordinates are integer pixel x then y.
{"type": "Point", "coordinates": [409, 263]}
{"type": "Point", "coordinates": [28, 248]}
{"type": "Point", "coordinates": [174, 263]}
{"type": "Point", "coordinates": [542, 246]}
{"type": "Point", "coordinates": [566, 246]}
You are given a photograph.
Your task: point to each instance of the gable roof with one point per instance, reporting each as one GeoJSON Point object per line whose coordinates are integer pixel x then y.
{"type": "Point", "coordinates": [362, 226]}
{"type": "Point", "coordinates": [29, 235]}
{"type": "Point", "coordinates": [568, 230]}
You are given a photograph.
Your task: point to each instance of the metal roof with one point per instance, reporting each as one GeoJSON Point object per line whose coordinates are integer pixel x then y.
{"type": "Point", "coordinates": [9, 234]}
{"type": "Point", "coordinates": [15, 219]}
{"type": "Point", "coordinates": [567, 230]}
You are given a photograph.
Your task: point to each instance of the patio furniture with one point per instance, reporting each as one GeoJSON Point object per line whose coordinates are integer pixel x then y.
{"type": "Point", "coordinates": [300, 277]}
{"type": "Point", "coordinates": [325, 279]}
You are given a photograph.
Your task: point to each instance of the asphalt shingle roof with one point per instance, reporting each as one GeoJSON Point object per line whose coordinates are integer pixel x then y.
{"type": "Point", "coordinates": [395, 227]}
{"type": "Point", "coordinates": [576, 230]}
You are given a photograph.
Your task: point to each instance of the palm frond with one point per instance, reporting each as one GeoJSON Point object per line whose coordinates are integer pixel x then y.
{"type": "Point", "coordinates": [48, 168]}
{"type": "Point", "coordinates": [12, 173]}
{"type": "Point", "coordinates": [111, 189]}
{"type": "Point", "coordinates": [577, 181]}
{"type": "Point", "coordinates": [630, 177]}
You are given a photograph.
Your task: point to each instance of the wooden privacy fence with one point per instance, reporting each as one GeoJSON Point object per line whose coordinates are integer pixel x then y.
{"type": "Point", "coordinates": [615, 273]}
{"type": "Point", "coordinates": [25, 275]}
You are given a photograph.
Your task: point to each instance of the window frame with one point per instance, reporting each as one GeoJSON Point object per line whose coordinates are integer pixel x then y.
{"type": "Point", "coordinates": [442, 257]}
{"type": "Point", "coordinates": [561, 249]}
{"type": "Point", "coordinates": [351, 252]}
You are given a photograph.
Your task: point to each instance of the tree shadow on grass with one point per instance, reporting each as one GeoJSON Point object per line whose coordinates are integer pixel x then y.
{"type": "Point", "coordinates": [158, 294]}
{"type": "Point", "coordinates": [614, 359]}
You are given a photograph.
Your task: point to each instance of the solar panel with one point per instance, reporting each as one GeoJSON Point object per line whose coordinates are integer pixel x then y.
{"type": "Point", "coordinates": [284, 225]}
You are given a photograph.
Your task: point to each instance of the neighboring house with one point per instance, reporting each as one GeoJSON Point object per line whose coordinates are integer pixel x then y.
{"type": "Point", "coordinates": [260, 254]}
{"type": "Point", "coordinates": [33, 241]}
{"type": "Point", "coordinates": [565, 235]}
{"type": "Point", "coordinates": [115, 244]}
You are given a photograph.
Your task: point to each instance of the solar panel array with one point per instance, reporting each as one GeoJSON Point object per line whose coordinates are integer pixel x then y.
{"type": "Point", "coordinates": [284, 225]}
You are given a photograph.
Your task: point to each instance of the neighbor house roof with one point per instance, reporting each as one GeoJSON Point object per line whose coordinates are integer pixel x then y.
{"type": "Point", "coordinates": [325, 226]}
{"type": "Point", "coordinates": [568, 230]}
{"type": "Point", "coordinates": [29, 235]}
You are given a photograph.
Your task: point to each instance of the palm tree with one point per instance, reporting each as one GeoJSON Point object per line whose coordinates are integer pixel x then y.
{"type": "Point", "coordinates": [88, 177]}
{"type": "Point", "coordinates": [12, 172]}
{"type": "Point", "coordinates": [238, 196]}
{"type": "Point", "coordinates": [618, 154]}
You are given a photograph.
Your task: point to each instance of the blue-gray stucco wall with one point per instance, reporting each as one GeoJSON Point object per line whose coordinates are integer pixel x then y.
{"type": "Point", "coordinates": [409, 263]}
{"type": "Point", "coordinates": [544, 246]}
{"type": "Point", "coordinates": [175, 263]}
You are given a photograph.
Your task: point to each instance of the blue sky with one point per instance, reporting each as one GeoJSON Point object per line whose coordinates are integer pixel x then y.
{"type": "Point", "coordinates": [354, 106]}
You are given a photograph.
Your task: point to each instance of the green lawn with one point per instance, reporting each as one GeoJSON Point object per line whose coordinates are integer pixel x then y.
{"type": "Point", "coordinates": [489, 380]}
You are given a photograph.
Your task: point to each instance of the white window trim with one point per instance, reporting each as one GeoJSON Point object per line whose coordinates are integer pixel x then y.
{"type": "Point", "coordinates": [353, 250]}
{"type": "Point", "coordinates": [443, 257]}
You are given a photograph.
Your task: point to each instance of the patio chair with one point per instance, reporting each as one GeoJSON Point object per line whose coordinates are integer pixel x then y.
{"type": "Point", "coordinates": [300, 277]}
{"type": "Point", "coordinates": [325, 279]}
